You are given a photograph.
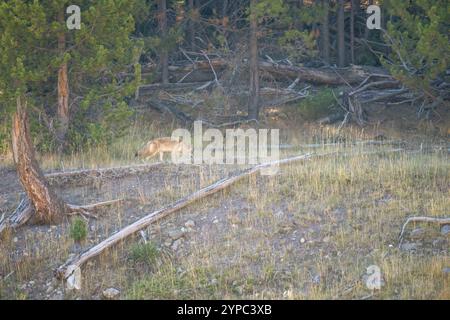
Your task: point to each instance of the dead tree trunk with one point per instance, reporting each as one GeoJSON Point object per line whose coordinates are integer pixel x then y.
{"type": "Point", "coordinates": [341, 33]}
{"type": "Point", "coordinates": [164, 56]}
{"type": "Point", "coordinates": [191, 25]}
{"type": "Point", "coordinates": [325, 32]}
{"type": "Point", "coordinates": [352, 31]}
{"type": "Point", "coordinates": [253, 105]}
{"type": "Point", "coordinates": [63, 90]}
{"type": "Point", "coordinates": [47, 205]}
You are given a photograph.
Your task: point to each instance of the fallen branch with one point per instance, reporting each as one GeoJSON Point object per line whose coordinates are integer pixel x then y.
{"type": "Point", "coordinates": [79, 260]}
{"type": "Point", "coordinates": [439, 221]}
{"type": "Point", "coordinates": [80, 176]}
{"type": "Point", "coordinates": [66, 270]}
{"type": "Point", "coordinates": [18, 218]}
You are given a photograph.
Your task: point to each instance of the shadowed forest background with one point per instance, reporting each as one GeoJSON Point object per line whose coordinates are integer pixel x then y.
{"type": "Point", "coordinates": [363, 115]}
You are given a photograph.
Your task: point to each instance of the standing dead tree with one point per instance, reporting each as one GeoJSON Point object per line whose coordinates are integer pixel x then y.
{"type": "Point", "coordinates": [42, 204]}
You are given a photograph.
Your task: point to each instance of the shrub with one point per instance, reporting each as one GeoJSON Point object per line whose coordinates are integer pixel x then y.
{"type": "Point", "coordinates": [315, 106]}
{"type": "Point", "coordinates": [146, 253]}
{"type": "Point", "coordinates": [78, 229]}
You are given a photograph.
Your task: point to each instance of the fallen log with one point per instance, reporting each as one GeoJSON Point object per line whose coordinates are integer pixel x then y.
{"type": "Point", "coordinates": [201, 72]}
{"type": "Point", "coordinates": [71, 267]}
{"type": "Point", "coordinates": [90, 175]}
{"type": "Point", "coordinates": [18, 218]}
{"type": "Point", "coordinates": [78, 261]}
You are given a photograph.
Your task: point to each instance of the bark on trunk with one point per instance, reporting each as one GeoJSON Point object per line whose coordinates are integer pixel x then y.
{"type": "Point", "coordinates": [352, 31]}
{"type": "Point", "coordinates": [341, 33]}
{"type": "Point", "coordinates": [326, 32]}
{"type": "Point", "coordinates": [47, 205]}
{"type": "Point", "coordinates": [63, 90]}
{"type": "Point", "coordinates": [164, 56]}
{"type": "Point", "coordinates": [191, 25]}
{"type": "Point", "coordinates": [253, 106]}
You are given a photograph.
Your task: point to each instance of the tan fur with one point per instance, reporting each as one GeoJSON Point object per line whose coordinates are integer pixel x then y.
{"type": "Point", "coordinates": [160, 146]}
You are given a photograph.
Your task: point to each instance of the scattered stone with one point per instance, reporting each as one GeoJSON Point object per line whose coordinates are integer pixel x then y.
{"type": "Point", "coordinates": [168, 242]}
{"type": "Point", "coordinates": [190, 224]}
{"type": "Point", "coordinates": [302, 240]}
{"type": "Point", "coordinates": [279, 214]}
{"type": "Point", "coordinates": [57, 296]}
{"type": "Point", "coordinates": [215, 221]}
{"type": "Point", "coordinates": [326, 239]}
{"type": "Point", "coordinates": [31, 283]}
{"type": "Point", "coordinates": [176, 244]}
{"type": "Point", "coordinates": [439, 242]}
{"type": "Point", "coordinates": [111, 293]}
{"type": "Point", "coordinates": [409, 246]}
{"type": "Point", "coordinates": [176, 234]}
{"type": "Point", "coordinates": [213, 281]}
{"type": "Point", "coordinates": [316, 279]}
{"type": "Point", "coordinates": [15, 239]}
{"type": "Point", "coordinates": [417, 233]}
{"type": "Point", "coordinates": [445, 229]}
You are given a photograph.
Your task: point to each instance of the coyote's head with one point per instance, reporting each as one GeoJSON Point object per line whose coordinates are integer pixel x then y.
{"type": "Point", "coordinates": [148, 149]}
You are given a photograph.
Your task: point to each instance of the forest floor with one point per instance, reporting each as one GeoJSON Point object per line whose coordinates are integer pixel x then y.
{"type": "Point", "coordinates": [308, 232]}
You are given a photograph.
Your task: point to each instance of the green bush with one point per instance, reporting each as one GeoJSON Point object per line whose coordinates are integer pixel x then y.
{"type": "Point", "coordinates": [78, 229]}
{"type": "Point", "coordinates": [146, 253]}
{"type": "Point", "coordinates": [318, 105]}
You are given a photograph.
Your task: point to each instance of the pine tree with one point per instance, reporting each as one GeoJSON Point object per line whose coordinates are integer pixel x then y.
{"type": "Point", "coordinates": [44, 60]}
{"type": "Point", "coordinates": [418, 34]}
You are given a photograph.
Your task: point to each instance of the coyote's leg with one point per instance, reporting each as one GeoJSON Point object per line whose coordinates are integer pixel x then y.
{"type": "Point", "coordinates": [161, 156]}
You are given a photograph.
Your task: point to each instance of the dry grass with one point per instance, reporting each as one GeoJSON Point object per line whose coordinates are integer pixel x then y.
{"type": "Point", "coordinates": [309, 232]}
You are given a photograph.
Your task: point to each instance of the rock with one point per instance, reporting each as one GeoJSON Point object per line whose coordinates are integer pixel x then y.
{"type": "Point", "coordinates": [279, 214]}
{"type": "Point", "coordinates": [417, 233]}
{"type": "Point", "coordinates": [446, 270]}
{"type": "Point", "coordinates": [168, 242]}
{"type": "Point", "coordinates": [445, 229]}
{"type": "Point", "coordinates": [326, 239]}
{"type": "Point", "coordinates": [190, 224]}
{"type": "Point", "coordinates": [316, 279]}
{"type": "Point", "coordinates": [176, 244]}
{"type": "Point", "coordinates": [213, 281]}
{"type": "Point", "coordinates": [176, 234]}
{"type": "Point", "coordinates": [57, 296]}
{"type": "Point", "coordinates": [439, 242]}
{"type": "Point", "coordinates": [302, 240]}
{"type": "Point", "coordinates": [15, 239]}
{"type": "Point", "coordinates": [111, 293]}
{"type": "Point", "coordinates": [409, 246]}
{"type": "Point", "coordinates": [215, 221]}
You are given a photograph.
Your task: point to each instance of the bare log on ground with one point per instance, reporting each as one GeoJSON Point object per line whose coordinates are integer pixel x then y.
{"type": "Point", "coordinates": [65, 271]}
{"type": "Point", "coordinates": [89, 175]}
{"type": "Point", "coordinates": [18, 218]}
{"type": "Point", "coordinates": [201, 72]}
{"type": "Point", "coordinates": [79, 260]}
{"type": "Point", "coordinates": [439, 221]}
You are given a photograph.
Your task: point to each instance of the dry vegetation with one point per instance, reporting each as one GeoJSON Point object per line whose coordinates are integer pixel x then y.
{"type": "Point", "coordinates": [309, 232]}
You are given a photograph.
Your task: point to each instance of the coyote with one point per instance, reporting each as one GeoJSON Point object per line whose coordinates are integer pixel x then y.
{"type": "Point", "coordinates": [162, 145]}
